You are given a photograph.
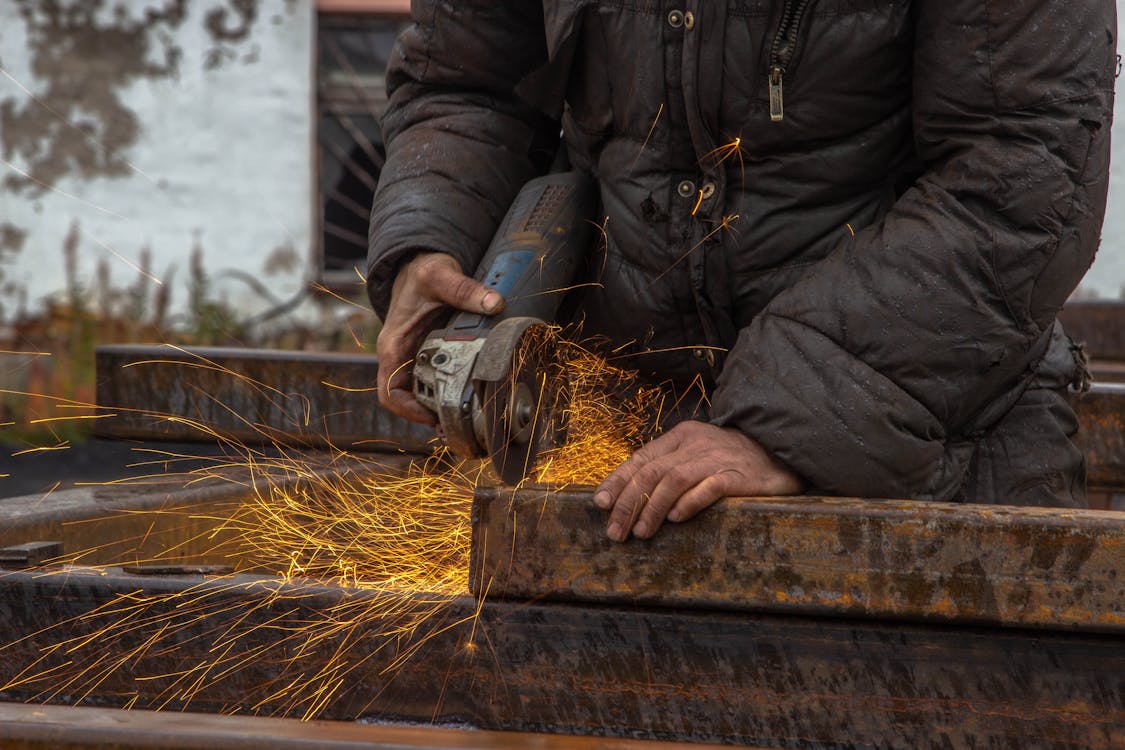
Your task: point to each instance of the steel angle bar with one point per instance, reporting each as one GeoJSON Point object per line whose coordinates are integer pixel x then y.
{"type": "Point", "coordinates": [970, 564]}
{"type": "Point", "coordinates": [1108, 372]}
{"type": "Point", "coordinates": [116, 522]}
{"type": "Point", "coordinates": [172, 519]}
{"type": "Point", "coordinates": [1099, 326]}
{"type": "Point", "coordinates": [30, 555]}
{"type": "Point", "coordinates": [631, 671]}
{"type": "Point", "coordinates": [1101, 435]}
{"type": "Point", "coordinates": [315, 399]}
{"type": "Point", "coordinates": [255, 396]}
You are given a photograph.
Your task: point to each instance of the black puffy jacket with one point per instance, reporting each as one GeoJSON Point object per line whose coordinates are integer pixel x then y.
{"type": "Point", "coordinates": [854, 219]}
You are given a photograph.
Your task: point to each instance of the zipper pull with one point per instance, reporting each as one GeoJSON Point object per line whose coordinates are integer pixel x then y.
{"type": "Point", "coordinates": [777, 108]}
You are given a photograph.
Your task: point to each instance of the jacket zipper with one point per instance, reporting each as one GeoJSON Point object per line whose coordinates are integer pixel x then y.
{"type": "Point", "coordinates": [781, 53]}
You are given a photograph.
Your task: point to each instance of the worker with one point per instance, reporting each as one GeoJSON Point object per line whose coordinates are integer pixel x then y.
{"type": "Point", "coordinates": [853, 220]}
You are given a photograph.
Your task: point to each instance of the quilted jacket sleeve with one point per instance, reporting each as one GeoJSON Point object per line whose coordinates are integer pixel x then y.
{"type": "Point", "coordinates": [864, 374]}
{"type": "Point", "coordinates": [460, 142]}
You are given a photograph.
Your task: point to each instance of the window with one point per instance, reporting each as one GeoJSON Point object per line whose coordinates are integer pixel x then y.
{"type": "Point", "coordinates": [353, 48]}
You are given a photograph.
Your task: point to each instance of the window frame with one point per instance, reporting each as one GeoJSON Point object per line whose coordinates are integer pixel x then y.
{"type": "Point", "coordinates": [337, 282]}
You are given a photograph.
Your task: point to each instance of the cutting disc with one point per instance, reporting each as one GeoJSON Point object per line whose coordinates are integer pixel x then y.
{"type": "Point", "coordinates": [523, 411]}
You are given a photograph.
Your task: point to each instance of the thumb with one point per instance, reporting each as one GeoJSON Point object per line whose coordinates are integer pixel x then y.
{"type": "Point", "coordinates": [454, 288]}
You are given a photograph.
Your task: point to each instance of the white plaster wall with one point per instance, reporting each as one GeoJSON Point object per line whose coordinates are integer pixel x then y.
{"type": "Point", "coordinates": [224, 160]}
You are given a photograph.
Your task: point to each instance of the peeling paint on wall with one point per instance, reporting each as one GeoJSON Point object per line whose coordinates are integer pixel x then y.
{"type": "Point", "coordinates": [86, 54]}
{"type": "Point", "coordinates": [229, 26]}
{"type": "Point", "coordinates": [159, 126]}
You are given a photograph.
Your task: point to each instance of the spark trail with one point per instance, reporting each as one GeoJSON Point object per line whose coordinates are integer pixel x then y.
{"type": "Point", "coordinates": [341, 561]}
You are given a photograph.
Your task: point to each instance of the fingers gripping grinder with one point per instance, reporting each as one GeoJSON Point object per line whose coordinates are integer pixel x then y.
{"type": "Point", "coordinates": [480, 374]}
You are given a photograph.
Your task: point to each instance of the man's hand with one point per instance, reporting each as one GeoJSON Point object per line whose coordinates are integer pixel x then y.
{"type": "Point", "coordinates": [422, 289]}
{"type": "Point", "coordinates": [684, 471]}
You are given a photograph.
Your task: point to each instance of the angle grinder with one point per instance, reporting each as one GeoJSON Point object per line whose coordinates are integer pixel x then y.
{"type": "Point", "coordinates": [489, 379]}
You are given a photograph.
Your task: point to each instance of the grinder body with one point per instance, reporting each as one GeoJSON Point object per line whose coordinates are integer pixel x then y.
{"type": "Point", "coordinates": [487, 399]}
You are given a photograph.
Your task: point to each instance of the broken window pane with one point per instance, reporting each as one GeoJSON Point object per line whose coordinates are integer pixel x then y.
{"type": "Point", "coordinates": [351, 95]}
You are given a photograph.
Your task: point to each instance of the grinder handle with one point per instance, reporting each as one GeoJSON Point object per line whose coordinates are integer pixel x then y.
{"type": "Point", "coordinates": [537, 252]}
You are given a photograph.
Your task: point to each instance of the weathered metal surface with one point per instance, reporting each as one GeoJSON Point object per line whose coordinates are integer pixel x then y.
{"type": "Point", "coordinates": [1100, 325]}
{"type": "Point", "coordinates": [171, 519]}
{"type": "Point", "coordinates": [316, 399]}
{"type": "Point", "coordinates": [827, 556]}
{"type": "Point", "coordinates": [181, 569]}
{"type": "Point", "coordinates": [30, 554]}
{"type": "Point", "coordinates": [1101, 414]}
{"type": "Point", "coordinates": [28, 727]}
{"type": "Point", "coordinates": [253, 396]}
{"type": "Point", "coordinates": [118, 523]}
{"type": "Point", "coordinates": [788, 682]}
{"type": "Point", "coordinates": [1107, 372]}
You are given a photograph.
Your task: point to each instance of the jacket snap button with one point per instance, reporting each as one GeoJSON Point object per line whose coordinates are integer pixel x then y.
{"type": "Point", "coordinates": [676, 19]}
{"type": "Point", "coordinates": [686, 189]}
{"type": "Point", "coordinates": [689, 20]}
{"type": "Point", "coordinates": [708, 190]}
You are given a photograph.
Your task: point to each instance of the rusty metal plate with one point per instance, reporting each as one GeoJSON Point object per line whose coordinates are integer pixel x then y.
{"type": "Point", "coordinates": [827, 556]}
{"type": "Point", "coordinates": [1101, 415]}
{"type": "Point", "coordinates": [630, 671]}
{"type": "Point", "coordinates": [1100, 325]}
{"type": "Point", "coordinates": [254, 396]}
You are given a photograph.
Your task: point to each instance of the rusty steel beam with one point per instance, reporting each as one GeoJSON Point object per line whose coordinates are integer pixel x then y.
{"type": "Point", "coordinates": [30, 727]}
{"type": "Point", "coordinates": [172, 519]}
{"type": "Point", "coordinates": [627, 671]}
{"type": "Point", "coordinates": [1101, 435]}
{"type": "Point", "coordinates": [937, 562]}
{"type": "Point", "coordinates": [1100, 325]}
{"type": "Point", "coordinates": [254, 396]}
{"type": "Point", "coordinates": [296, 398]}
{"type": "Point", "coordinates": [1107, 372]}
{"type": "Point", "coordinates": [114, 523]}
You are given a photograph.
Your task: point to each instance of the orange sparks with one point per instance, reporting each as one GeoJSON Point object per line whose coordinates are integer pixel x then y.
{"type": "Point", "coordinates": [127, 262]}
{"type": "Point", "coordinates": [727, 222]}
{"type": "Point", "coordinates": [69, 418]}
{"type": "Point", "coordinates": [698, 203]}
{"type": "Point", "coordinates": [345, 388]}
{"type": "Point", "coordinates": [43, 449]}
{"type": "Point", "coordinates": [651, 130]}
{"type": "Point", "coordinates": [399, 531]}
{"type": "Point", "coordinates": [716, 156]}
{"type": "Point", "coordinates": [340, 298]}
